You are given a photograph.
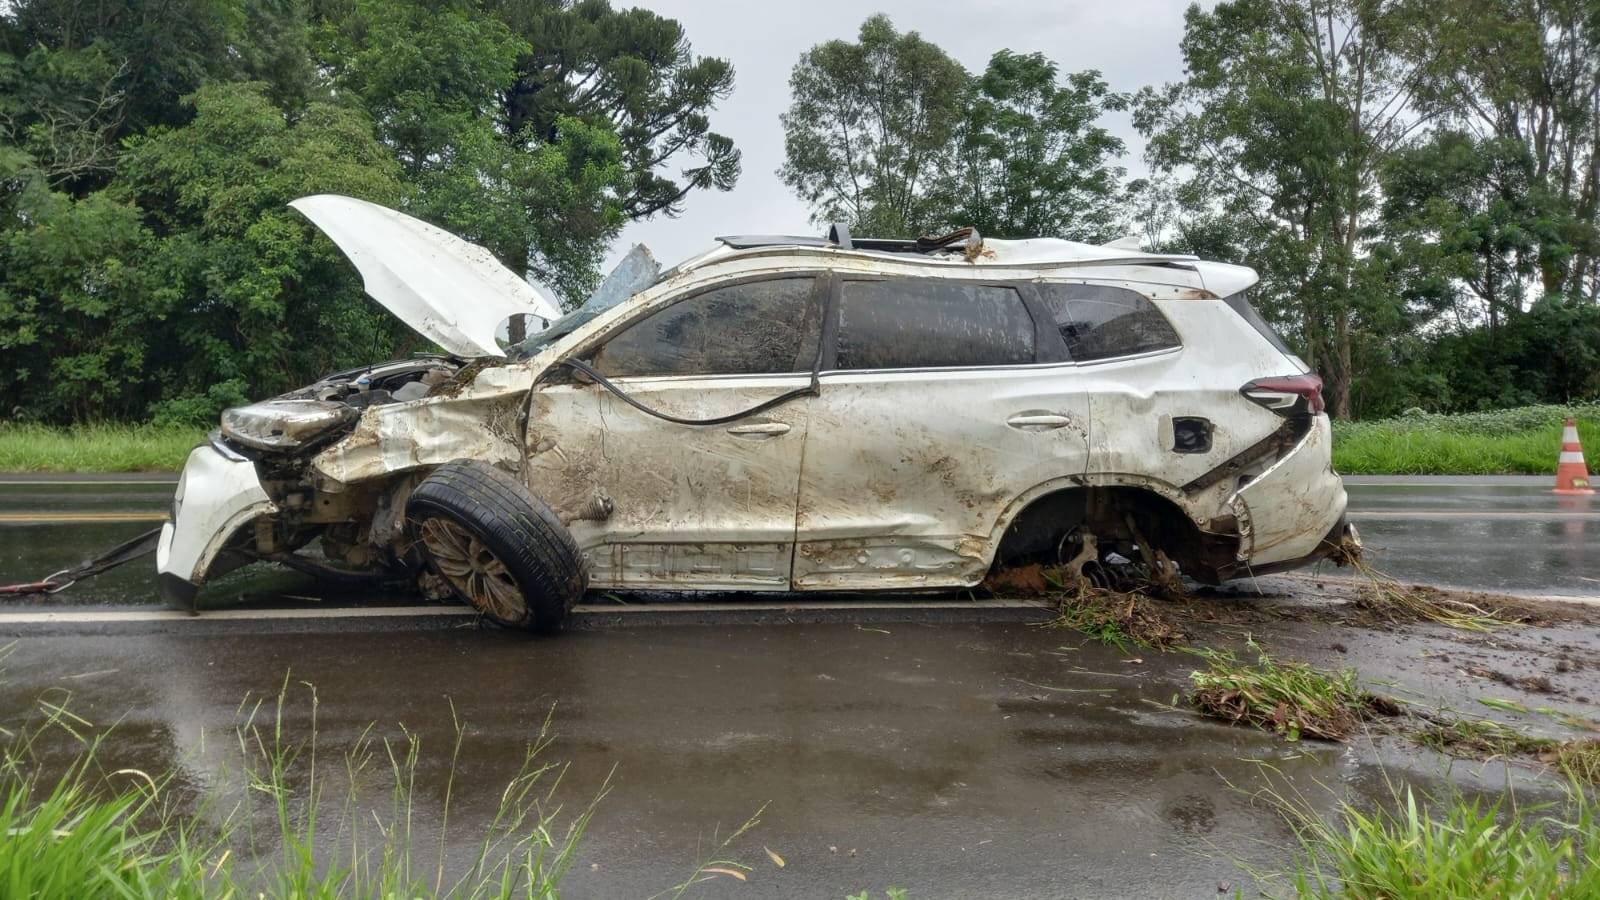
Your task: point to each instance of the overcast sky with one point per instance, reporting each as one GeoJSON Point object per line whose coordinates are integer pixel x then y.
{"type": "Point", "coordinates": [1133, 42]}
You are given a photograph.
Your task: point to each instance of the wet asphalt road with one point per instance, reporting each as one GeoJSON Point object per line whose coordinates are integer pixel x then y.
{"type": "Point", "coordinates": [953, 758]}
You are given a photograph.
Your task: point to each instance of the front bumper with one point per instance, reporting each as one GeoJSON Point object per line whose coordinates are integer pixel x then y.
{"type": "Point", "coordinates": [218, 493]}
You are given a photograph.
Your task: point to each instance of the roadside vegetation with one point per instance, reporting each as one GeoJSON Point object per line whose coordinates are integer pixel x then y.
{"type": "Point", "coordinates": [267, 829]}
{"type": "Point", "coordinates": [1455, 848]}
{"type": "Point", "coordinates": [282, 821]}
{"type": "Point", "coordinates": [96, 448]}
{"type": "Point", "coordinates": [1523, 440]}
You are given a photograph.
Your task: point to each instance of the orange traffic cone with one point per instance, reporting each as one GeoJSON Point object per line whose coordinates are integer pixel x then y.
{"type": "Point", "coordinates": [1572, 474]}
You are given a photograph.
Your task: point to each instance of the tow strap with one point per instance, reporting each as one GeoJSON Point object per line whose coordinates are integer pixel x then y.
{"type": "Point", "coordinates": [127, 551]}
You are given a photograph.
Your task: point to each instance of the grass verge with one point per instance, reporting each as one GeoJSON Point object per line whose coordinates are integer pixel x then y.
{"type": "Point", "coordinates": [95, 448]}
{"type": "Point", "coordinates": [1291, 699]}
{"type": "Point", "coordinates": [291, 825]}
{"type": "Point", "coordinates": [1524, 440]}
{"type": "Point", "coordinates": [1458, 848]}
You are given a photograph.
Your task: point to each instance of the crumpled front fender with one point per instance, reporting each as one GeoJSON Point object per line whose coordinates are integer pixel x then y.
{"type": "Point", "coordinates": [218, 493]}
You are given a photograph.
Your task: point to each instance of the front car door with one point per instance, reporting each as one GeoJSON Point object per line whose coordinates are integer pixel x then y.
{"type": "Point", "coordinates": [660, 504]}
{"type": "Point", "coordinates": [944, 402]}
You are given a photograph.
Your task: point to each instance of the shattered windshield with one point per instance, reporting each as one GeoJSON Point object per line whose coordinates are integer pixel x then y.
{"type": "Point", "coordinates": [637, 271]}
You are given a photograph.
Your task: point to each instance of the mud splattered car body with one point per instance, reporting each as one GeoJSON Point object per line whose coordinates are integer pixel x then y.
{"type": "Point", "coordinates": [949, 406]}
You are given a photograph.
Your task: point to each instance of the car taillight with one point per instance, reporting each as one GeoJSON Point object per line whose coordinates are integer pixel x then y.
{"type": "Point", "coordinates": [1287, 394]}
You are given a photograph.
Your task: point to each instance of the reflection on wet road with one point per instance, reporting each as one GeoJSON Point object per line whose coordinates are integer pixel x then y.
{"type": "Point", "coordinates": [1493, 534]}
{"type": "Point", "coordinates": [954, 760]}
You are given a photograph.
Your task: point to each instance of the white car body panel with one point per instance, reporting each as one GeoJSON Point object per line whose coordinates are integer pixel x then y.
{"type": "Point", "coordinates": [217, 495]}
{"type": "Point", "coordinates": [454, 293]}
{"type": "Point", "coordinates": [1282, 511]}
{"type": "Point", "coordinates": [657, 504]}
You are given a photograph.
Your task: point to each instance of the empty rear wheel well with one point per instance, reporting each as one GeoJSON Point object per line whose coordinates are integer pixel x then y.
{"type": "Point", "coordinates": [1121, 518]}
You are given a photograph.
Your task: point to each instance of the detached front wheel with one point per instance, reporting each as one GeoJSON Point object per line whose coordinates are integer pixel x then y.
{"type": "Point", "coordinates": [499, 548]}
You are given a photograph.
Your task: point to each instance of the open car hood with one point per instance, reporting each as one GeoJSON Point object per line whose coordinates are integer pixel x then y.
{"type": "Point", "coordinates": [454, 293]}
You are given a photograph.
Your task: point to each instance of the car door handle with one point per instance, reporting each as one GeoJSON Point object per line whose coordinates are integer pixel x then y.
{"type": "Point", "coordinates": [760, 429]}
{"type": "Point", "coordinates": [1039, 421]}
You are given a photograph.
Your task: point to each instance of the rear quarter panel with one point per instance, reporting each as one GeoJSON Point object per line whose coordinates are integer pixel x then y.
{"type": "Point", "coordinates": [1134, 401]}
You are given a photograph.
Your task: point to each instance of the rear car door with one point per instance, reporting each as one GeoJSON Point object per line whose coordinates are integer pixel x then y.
{"type": "Point", "coordinates": [656, 503]}
{"type": "Point", "coordinates": [943, 401]}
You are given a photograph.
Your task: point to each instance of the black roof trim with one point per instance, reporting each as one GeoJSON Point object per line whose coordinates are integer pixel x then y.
{"type": "Point", "coordinates": [882, 245]}
{"type": "Point", "coordinates": [748, 241]}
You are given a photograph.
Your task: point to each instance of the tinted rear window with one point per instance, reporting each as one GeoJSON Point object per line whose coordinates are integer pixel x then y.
{"type": "Point", "coordinates": [1100, 321]}
{"type": "Point", "coordinates": [921, 324]}
{"type": "Point", "coordinates": [1240, 303]}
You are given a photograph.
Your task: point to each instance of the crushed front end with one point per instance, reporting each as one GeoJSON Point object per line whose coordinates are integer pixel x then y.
{"type": "Point", "coordinates": [247, 493]}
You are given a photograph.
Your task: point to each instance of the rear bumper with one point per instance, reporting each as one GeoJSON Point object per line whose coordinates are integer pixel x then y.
{"type": "Point", "coordinates": [218, 493]}
{"type": "Point", "coordinates": [1286, 512]}
{"type": "Point", "coordinates": [1340, 543]}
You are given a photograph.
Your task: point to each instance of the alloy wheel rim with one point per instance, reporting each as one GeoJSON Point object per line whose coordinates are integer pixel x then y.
{"type": "Point", "coordinates": [473, 569]}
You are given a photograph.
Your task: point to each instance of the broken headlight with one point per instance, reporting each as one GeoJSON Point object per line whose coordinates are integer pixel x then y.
{"type": "Point", "coordinates": [285, 424]}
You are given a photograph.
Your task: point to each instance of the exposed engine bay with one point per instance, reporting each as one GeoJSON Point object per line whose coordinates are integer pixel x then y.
{"type": "Point", "coordinates": [311, 416]}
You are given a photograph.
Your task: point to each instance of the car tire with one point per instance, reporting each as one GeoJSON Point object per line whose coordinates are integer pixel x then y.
{"type": "Point", "coordinates": [499, 548]}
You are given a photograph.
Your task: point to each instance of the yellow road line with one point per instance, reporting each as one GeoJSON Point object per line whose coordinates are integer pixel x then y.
{"type": "Point", "coordinates": [47, 518]}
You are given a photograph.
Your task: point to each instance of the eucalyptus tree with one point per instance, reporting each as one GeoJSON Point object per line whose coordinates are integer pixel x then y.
{"type": "Point", "coordinates": [1280, 128]}
{"type": "Point", "coordinates": [870, 129]}
{"type": "Point", "coordinates": [1031, 156]}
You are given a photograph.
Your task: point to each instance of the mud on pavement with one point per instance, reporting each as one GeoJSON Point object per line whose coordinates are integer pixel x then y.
{"type": "Point", "coordinates": [1465, 673]}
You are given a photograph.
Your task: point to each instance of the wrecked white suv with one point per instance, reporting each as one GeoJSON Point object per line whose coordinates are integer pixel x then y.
{"type": "Point", "coordinates": [777, 414]}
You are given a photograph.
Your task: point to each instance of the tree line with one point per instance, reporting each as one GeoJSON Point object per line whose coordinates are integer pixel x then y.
{"type": "Point", "coordinates": [1416, 181]}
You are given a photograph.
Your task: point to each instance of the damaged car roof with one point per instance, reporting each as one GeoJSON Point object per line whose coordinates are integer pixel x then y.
{"type": "Point", "coordinates": [458, 295]}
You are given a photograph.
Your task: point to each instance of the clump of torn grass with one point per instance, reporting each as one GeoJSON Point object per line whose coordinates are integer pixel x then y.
{"type": "Point", "coordinates": [1393, 603]}
{"type": "Point", "coordinates": [1578, 759]}
{"type": "Point", "coordinates": [1483, 738]}
{"type": "Point", "coordinates": [1288, 698]}
{"type": "Point", "coordinates": [1120, 618]}
{"type": "Point", "coordinates": [1456, 848]}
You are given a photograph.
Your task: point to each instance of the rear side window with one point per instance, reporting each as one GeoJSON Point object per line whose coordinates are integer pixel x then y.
{"type": "Point", "coordinates": [1100, 321]}
{"type": "Point", "coordinates": [924, 324]}
{"type": "Point", "coordinates": [754, 328]}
